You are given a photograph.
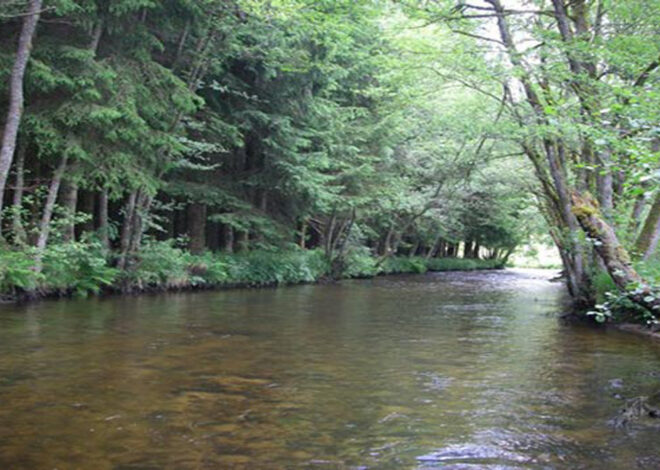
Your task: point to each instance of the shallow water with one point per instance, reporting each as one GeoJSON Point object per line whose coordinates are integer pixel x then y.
{"type": "Point", "coordinates": [451, 371]}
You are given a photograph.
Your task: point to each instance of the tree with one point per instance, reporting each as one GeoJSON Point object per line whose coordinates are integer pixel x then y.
{"type": "Point", "coordinates": [16, 99]}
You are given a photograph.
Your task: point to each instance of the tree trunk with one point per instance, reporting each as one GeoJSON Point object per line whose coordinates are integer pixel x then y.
{"type": "Point", "coordinates": [197, 227]}
{"type": "Point", "coordinates": [87, 203]}
{"type": "Point", "coordinates": [467, 249]}
{"type": "Point", "coordinates": [413, 249]}
{"type": "Point", "coordinates": [96, 36]}
{"type": "Point", "coordinates": [18, 230]}
{"type": "Point", "coordinates": [142, 206]}
{"type": "Point", "coordinates": [15, 108]}
{"type": "Point", "coordinates": [644, 245]}
{"type": "Point", "coordinates": [69, 198]}
{"type": "Point", "coordinates": [127, 223]}
{"type": "Point", "coordinates": [614, 255]}
{"type": "Point", "coordinates": [104, 224]}
{"type": "Point", "coordinates": [653, 247]}
{"type": "Point", "coordinates": [636, 216]}
{"type": "Point", "coordinates": [244, 240]}
{"type": "Point", "coordinates": [606, 187]}
{"type": "Point", "coordinates": [303, 233]}
{"type": "Point", "coordinates": [387, 243]}
{"type": "Point", "coordinates": [212, 236]}
{"type": "Point", "coordinates": [558, 192]}
{"type": "Point", "coordinates": [47, 215]}
{"type": "Point", "coordinates": [228, 237]}
{"type": "Point", "coordinates": [434, 247]}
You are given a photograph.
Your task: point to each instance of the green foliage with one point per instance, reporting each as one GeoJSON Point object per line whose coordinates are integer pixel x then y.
{"type": "Point", "coordinates": [253, 125]}
{"type": "Point", "coordinates": [460, 264]}
{"type": "Point", "coordinates": [614, 305]}
{"type": "Point", "coordinates": [82, 268]}
{"type": "Point", "coordinates": [77, 267]}
{"type": "Point", "coordinates": [603, 284]}
{"type": "Point", "coordinates": [618, 307]}
{"type": "Point", "coordinates": [17, 272]}
{"type": "Point", "coordinates": [359, 263]}
{"type": "Point", "coordinates": [401, 264]}
{"type": "Point", "coordinates": [650, 269]}
{"type": "Point", "coordinates": [159, 265]}
{"type": "Point", "coordinates": [162, 265]}
{"type": "Point", "coordinates": [262, 268]}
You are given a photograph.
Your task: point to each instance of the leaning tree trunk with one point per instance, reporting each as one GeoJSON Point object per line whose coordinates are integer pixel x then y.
{"type": "Point", "coordinates": [434, 247]}
{"type": "Point", "coordinates": [15, 108]}
{"type": "Point", "coordinates": [614, 255]}
{"type": "Point", "coordinates": [647, 240]}
{"type": "Point", "coordinates": [47, 215]}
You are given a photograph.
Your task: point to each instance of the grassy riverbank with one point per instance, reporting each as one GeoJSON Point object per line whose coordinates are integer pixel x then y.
{"type": "Point", "coordinates": [84, 268]}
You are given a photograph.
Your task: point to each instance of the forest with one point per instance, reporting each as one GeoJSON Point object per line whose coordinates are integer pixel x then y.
{"type": "Point", "coordinates": [200, 143]}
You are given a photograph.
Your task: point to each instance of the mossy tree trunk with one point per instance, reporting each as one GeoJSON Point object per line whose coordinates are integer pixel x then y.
{"type": "Point", "coordinates": [614, 256]}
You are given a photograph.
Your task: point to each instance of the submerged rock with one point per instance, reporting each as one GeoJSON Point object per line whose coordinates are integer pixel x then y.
{"type": "Point", "coordinates": [636, 409]}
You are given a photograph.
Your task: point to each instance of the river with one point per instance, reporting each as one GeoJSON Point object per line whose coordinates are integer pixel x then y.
{"type": "Point", "coordinates": [452, 371]}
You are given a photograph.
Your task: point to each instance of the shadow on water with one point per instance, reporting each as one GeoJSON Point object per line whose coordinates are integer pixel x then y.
{"type": "Point", "coordinates": [452, 370]}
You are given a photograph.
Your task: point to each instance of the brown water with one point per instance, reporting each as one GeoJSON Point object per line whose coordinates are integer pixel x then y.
{"type": "Point", "coordinates": [462, 371]}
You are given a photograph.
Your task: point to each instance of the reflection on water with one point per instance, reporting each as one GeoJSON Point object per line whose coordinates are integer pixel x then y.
{"type": "Point", "coordinates": [453, 370]}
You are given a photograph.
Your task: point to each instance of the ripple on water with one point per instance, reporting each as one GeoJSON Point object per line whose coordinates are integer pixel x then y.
{"type": "Point", "coordinates": [472, 455]}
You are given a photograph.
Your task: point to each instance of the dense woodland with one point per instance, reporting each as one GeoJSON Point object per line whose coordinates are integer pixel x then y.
{"type": "Point", "coordinates": [204, 142]}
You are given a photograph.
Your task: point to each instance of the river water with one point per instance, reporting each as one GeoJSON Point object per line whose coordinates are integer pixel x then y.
{"type": "Point", "coordinates": [451, 371]}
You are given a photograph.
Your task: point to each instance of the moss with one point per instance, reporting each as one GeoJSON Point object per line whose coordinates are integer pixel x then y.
{"type": "Point", "coordinates": [623, 255]}
{"type": "Point", "coordinates": [584, 210]}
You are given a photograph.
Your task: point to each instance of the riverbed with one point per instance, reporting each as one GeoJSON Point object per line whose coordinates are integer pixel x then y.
{"type": "Point", "coordinates": [447, 370]}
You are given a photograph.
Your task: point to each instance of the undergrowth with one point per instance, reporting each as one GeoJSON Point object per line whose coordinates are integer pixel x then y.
{"type": "Point", "coordinates": [85, 267]}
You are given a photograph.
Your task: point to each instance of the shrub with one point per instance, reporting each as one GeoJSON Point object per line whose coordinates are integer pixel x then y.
{"type": "Point", "coordinates": [401, 264]}
{"type": "Point", "coordinates": [262, 267]}
{"type": "Point", "coordinates": [159, 264]}
{"type": "Point", "coordinates": [461, 264]}
{"type": "Point", "coordinates": [17, 272]}
{"type": "Point", "coordinates": [78, 267]}
{"type": "Point", "coordinates": [358, 263]}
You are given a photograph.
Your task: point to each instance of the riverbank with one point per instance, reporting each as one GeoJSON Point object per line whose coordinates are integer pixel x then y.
{"type": "Point", "coordinates": [84, 268]}
{"type": "Point", "coordinates": [637, 329]}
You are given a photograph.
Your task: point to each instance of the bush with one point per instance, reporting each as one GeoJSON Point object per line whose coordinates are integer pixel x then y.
{"type": "Point", "coordinates": [461, 264]}
{"type": "Point", "coordinates": [401, 264]}
{"type": "Point", "coordinates": [159, 264]}
{"type": "Point", "coordinates": [77, 267]}
{"type": "Point", "coordinates": [82, 268]}
{"type": "Point", "coordinates": [603, 283]}
{"type": "Point", "coordinates": [258, 268]}
{"type": "Point", "coordinates": [207, 269]}
{"type": "Point", "coordinates": [359, 263]}
{"type": "Point", "coordinates": [17, 272]}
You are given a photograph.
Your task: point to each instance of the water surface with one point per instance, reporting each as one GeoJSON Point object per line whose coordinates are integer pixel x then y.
{"type": "Point", "coordinates": [451, 371]}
